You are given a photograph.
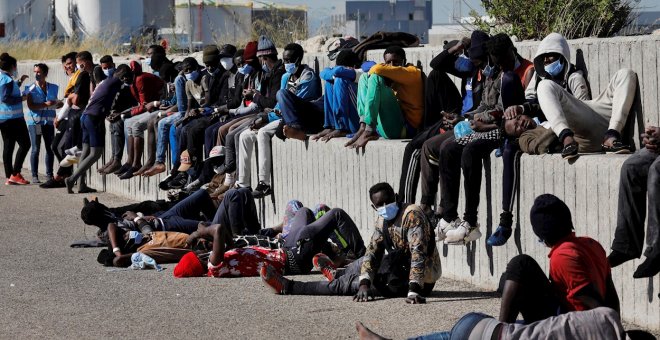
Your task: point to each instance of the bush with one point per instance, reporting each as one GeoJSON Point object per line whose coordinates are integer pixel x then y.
{"type": "Point", "coordinates": [572, 18]}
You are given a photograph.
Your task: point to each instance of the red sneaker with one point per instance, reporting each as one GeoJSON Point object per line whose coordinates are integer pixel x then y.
{"type": "Point", "coordinates": [17, 179]}
{"type": "Point", "coordinates": [325, 265]}
{"type": "Point", "coordinates": [273, 279]}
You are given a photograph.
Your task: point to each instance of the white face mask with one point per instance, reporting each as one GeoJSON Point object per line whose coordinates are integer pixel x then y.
{"type": "Point", "coordinates": [227, 63]}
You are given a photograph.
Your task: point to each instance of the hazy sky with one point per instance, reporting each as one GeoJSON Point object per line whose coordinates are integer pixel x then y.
{"type": "Point", "coordinates": [319, 10]}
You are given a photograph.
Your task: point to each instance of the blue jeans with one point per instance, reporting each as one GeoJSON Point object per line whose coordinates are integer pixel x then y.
{"type": "Point", "coordinates": [340, 105]}
{"type": "Point", "coordinates": [185, 215]}
{"type": "Point", "coordinates": [461, 330]}
{"type": "Point", "coordinates": [300, 114]}
{"type": "Point", "coordinates": [210, 137]}
{"type": "Point", "coordinates": [164, 126]}
{"type": "Point", "coordinates": [47, 132]}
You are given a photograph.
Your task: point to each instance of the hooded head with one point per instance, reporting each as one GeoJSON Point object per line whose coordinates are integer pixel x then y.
{"type": "Point", "coordinates": [136, 67]}
{"type": "Point", "coordinates": [553, 44]}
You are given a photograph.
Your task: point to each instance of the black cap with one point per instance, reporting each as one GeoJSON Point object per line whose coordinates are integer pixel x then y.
{"type": "Point", "coordinates": [551, 219]}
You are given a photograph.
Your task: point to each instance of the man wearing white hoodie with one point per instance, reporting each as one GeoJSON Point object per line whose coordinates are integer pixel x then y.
{"type": "Point", "coordinates": [559, 93]}
{"type": "Point", "coordinates": [562, 94]}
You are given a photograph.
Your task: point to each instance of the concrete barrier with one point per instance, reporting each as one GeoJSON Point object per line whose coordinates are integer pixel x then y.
{"type": "Point", "coordinates": [318, 172]}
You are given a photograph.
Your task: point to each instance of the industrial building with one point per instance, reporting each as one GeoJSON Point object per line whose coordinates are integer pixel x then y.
{"type": "Point", "coordinates": [203, 21]}
{"type": "Point", "coordinates": [364, 18]}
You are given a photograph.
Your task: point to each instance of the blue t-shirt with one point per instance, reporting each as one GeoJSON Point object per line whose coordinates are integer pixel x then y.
{"type": "Point", "coordinates": [43, 116]}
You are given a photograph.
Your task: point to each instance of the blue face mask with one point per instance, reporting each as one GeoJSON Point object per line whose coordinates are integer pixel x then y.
{"type": "Point", "coordinates": [389, 211]}
{"type": "Point", "coordinates": [192, 75]}
{"type": "Point", "coordinates": [148, 61]}
{"type": "Point", "coordinates": [554, 68]}
{"type": "Point", "coordinates": [463, 64]}
{"type": "Point", "coordinates": [290, 68]}
{"type": "Point", "coordinates": [488, 71]}
{"type": "Point", "coordinates": [37, 77]}
{"type": "Point", "coordinates": [109, 72]}
{"type": "Point", "coordinates": [264, 67]}
{"type": "Point", "coordinates": [245, 70]}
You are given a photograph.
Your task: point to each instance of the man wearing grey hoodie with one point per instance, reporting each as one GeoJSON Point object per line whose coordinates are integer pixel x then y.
{"type": "Point", "coordinates": [559, 93]}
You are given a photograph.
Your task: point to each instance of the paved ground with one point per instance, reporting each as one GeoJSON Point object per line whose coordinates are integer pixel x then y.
{"type": "Point", "coordinates": [50, 290]}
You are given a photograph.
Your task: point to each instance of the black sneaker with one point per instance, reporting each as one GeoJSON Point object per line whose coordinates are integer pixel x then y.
{"type": "Point", "coordinates": [164, 184]}
{"type": "Point", "coordinates": [262, 190]}
{"type": "Point", "coordinates": [179, 181]}
{"type": "Point", "coordinates": [52, 184]}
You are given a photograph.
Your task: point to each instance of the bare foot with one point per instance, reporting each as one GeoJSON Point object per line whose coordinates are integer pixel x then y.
{"type": "Point", "coordinates": [365, 333]}
{"type": "Point", "coordinates": [294, 133]}
{"type": "Point", "coordinates": [333, 134]}
{"type": "Point", "coordinates": [365, 137]}
{"type": "Point", "coordinates": [357, 135]}
{"type": "Point", "coordinates": [322, 134]}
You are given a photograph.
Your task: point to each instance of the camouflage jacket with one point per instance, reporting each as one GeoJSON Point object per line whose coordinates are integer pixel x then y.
{"type": "Point", "coordinates": [412, 231]}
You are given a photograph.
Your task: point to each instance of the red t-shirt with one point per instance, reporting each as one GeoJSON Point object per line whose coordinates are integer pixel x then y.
{"type": "Point", "coordinates": [576, 262]}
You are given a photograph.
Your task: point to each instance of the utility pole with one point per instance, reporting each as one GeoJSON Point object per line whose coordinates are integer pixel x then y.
{"type": "Point", "coordinates": [53, 24]}
{"type": "Point", "coordinates": [190, 27]}
{"type": "Point", "coordinates": [357, 25]}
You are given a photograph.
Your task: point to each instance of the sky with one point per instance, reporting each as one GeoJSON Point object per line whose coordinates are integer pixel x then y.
{"type": "Point", "coordinates": [319, 10]}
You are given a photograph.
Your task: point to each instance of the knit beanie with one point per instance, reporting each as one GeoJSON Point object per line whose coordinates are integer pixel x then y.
{"type": "Point", "coordinates": [250, 51]}
{"type": "Point", "coordinates": [550, 218]}
{"type": "Point", "coordinates": [265, 46]}
{"type": "Point", "coordinates": [478, 44]}
{"type": "Point", "coordinates": [210, 54]}
{"type": "Point", "coordinates": [189, 266]}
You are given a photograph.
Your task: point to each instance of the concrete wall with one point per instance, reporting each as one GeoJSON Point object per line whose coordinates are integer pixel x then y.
{"type": "Point", "coordinates": [318, 172]}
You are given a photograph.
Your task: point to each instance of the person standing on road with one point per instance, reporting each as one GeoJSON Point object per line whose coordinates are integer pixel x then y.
{"type": "Point", "coordinates": [12, 123]}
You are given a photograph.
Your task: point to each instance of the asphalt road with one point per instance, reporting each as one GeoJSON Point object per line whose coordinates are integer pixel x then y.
{"type": "Point", "coordinates": [49, 290]}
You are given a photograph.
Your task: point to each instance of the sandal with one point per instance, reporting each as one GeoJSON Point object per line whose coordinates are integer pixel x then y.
{"type": "Point", "coordinates": [617, 148]}
{"type": "Point", "coordinates": [570, 151]}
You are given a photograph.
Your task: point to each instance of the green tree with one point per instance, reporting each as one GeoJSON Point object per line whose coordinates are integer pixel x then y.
{"type": "Point", "coordinates": [572, 18]}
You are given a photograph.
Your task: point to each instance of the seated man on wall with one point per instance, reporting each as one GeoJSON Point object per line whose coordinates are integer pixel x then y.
{"type": "Point", "coordinates": [444, 103]}
{"type": "Point", "coordinates": [261, 131]}
{"type": "Point", "coordinates": [552, 51]}
{"type": "Point", "coordinates": [474, 87]}
{"type": "Point", "coordinates": [390, 100]}
{"type": "Point", "coordinates": [502, 89]}
{"type": "Point", "coordinates": [301, 110]}
{"type": "Point", "coordinates": [410, 268]}
{"type": "Point", "coordinates": [640, 176]}
{"type": "Point", "coordinates": [581, 125]}
{"type": "Point", "coordinates": [146, 88]}
{"type": "Point", "coordinates": [580, 276]}
{"type": "Point", "coordinates": [340, 97]}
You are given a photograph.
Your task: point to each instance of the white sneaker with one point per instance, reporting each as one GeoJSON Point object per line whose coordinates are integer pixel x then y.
{"type": "Point", "coordinates": [69, 161]}
{"type": "Point", "coordinates": [463, 234]}
{"type": "Point", "coordinates": [72, 151]}
{"type": "Point", "coordinates": [443, 227]}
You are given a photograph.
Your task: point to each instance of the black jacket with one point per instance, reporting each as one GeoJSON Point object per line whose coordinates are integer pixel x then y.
{"type": "Point", "coordinates": [270, 84]}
